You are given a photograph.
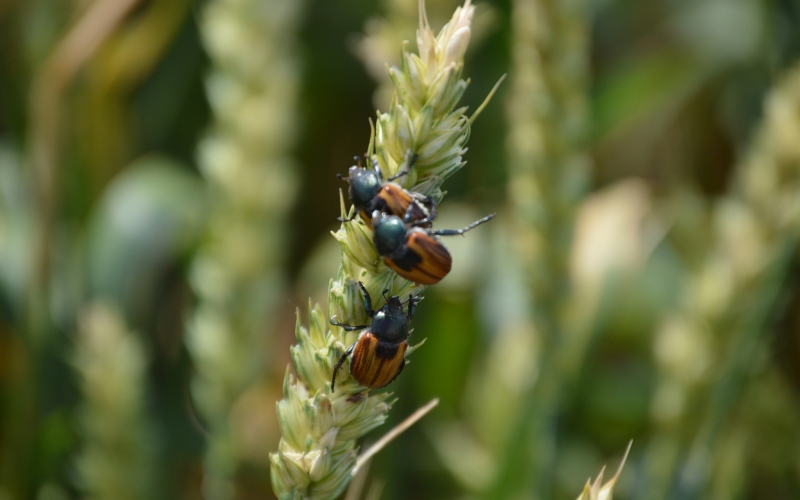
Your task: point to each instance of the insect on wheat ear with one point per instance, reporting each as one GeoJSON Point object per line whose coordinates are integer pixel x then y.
{"type": "Point", "coordinates": [379, 353]}
{"type": "Point", "coordinates": [414, 252]}
{"type": "Point", "coordinates": [369, 192]}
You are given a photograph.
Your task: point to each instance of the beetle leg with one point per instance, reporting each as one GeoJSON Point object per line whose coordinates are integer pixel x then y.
{"type": "Point", "coordinates": [339, 364]}
{"type": "Point", "coordinates": [348, 328]}
{"type": "Point", "coordinates": [409, 166]}
{"type": "Point", "coordinates": [400, 174]}
{"type": "Point", "coordinates": [453, 232]}
{"type": "Point", "coordinates": [412, 306]}
{"type": "Point", "coordinates": [377, 168]}
{"type": "Point", "coordinates": [367, 300]}
{"type": "Point", "coordinates": [376, 204]}
{"type": "Point", "coordinates": [406, 170]}
{"type": "Point", "coordinates": [409, 213]}
{"type": "Point", "coordinates": [355, 212]}
{"type": "Point", "coordinates": [431, 206]}
{"type": "Point", "coordinates": [403, 172]}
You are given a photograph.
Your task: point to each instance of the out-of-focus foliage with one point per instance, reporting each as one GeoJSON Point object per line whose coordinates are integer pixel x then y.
{"type": "Point", "coordinates": [117, 448]}
{"type": "Point", "coordinates": [238, 274]}
{"type": "Point", "coordinates": [671, 265]}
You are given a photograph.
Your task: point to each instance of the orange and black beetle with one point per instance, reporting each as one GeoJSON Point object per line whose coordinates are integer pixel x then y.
{"type": "Point", "coordinates": [379, 352]}
{"type": "Point", "coordinates": [369, 192]}
{"type": "Point", "coordinates": [414, 252]}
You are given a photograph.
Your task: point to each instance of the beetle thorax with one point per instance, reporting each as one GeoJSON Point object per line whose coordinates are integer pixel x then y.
{"type": "Point", "coordinates": [390, 323]}
{"type": "Point", "coordinates": [390, 233]}
{"type": "Point", "coordinates": [364, 185]}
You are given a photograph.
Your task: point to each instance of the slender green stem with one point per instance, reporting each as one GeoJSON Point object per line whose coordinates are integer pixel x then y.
{"type": "Point", "coordinates": [548, 169]}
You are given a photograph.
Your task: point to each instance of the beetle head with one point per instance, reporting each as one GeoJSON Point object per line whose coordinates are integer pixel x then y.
{"type": "Point", "coordinates": [394, 305]}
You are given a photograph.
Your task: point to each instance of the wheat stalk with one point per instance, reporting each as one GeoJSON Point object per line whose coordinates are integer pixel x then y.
{"type": "Point", "coordinates": [237, 275]}
{"type": "Point", "coordinates": [317, 452]}
{"type": "Point", "coordinates": [116, 460]}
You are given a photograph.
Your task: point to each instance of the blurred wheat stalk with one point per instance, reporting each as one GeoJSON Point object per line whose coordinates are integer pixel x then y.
{"type": "Point", "coordinates": [512, 406]}
{"type": "Point", "coordinates": [548, 161]}
{"type": "Point", "coordinates": [117, 459]}
{"type": "Point", "coordinates": [238, 274]}
{"type": "Point", "coordinates": [547, 115]}
{"type": "Point", "coordinates": [705, 350]}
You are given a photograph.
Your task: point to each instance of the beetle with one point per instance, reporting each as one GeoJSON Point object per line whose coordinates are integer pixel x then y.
{"type": "Point", "coordinates": [368, 192]}
{"type": "Point", "coordinates": [379, 352]}
{"type": "Point", "coordinates": [413, 252]}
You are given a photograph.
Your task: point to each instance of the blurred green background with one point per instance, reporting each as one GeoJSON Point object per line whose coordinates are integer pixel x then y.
{"type": "Point", "coordinates": [103, 210]}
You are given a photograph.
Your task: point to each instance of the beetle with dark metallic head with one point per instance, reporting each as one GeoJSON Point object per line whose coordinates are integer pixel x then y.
{"type": "Point", "coordinates": [414, 252]}
{"type": "Point", "coordinates": [379, 352]}
{"type": "Point", "coordinates": [369, 192]}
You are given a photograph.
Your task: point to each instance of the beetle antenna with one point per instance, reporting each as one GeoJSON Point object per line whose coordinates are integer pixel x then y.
{"type": "Point", "coordinates": [386, 296]}
{"type": "Point", "coordinates": [453, 232]}
{"type": "Point", "coordinates": [342, 178]}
